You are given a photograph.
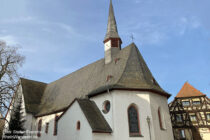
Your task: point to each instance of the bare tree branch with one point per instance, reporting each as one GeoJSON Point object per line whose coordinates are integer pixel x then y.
{"type": "Point", "coordinates": [10, 61]}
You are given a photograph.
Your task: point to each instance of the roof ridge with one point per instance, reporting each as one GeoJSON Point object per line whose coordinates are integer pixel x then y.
{"type": "Point", "coordinates": [21, 78]}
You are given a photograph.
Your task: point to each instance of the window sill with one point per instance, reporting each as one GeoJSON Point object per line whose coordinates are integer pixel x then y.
{"type": "Point", "coordinates": [136, 135]}
{"type": "Point", "coordinates": [196, 105]}
{"type": "Point", "coordinates": [186, 105]}
{"type": "Point", "coordinates": [163, 129]}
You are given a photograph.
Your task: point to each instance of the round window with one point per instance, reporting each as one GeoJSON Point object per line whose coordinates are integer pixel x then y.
{"type": "Point", "coordinates": [106, 106]}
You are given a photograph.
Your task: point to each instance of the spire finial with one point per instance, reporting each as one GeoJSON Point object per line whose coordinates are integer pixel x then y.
{"type": "Point", "coordinates": [132, 37]}
{"type": "Point", "coordinates": [112, 26]}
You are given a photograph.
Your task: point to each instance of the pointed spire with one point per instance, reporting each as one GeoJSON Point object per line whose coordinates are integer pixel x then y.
{"type": "Point", "coordinates": [112, 26]}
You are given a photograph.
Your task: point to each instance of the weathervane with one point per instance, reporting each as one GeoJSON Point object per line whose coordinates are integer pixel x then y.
{"type": "Point", "coordinates": [132, 37]}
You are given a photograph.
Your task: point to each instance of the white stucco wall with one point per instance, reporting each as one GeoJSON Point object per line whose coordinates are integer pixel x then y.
{"type": "Point", "coordinates": [99, 100]}
{"type": "Point", "coordinates": [122, 100]}
{"type": "Point", "coordinates": [47, 119]}
{"type": "Point", "coordinates": [107, 50]}
{"type": "Point", "coordinates": [147, 104]}
{"type": "Point", "coordinates": [102, 136]}
{"type": "Point", "coordinates": [160, 101]}
{"type": "Point", "coordinates": [67, 125]}
{"type": "Point", "coordinates": [118, 117]}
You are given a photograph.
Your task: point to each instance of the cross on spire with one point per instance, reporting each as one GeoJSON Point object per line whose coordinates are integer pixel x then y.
{"type": "Point", "coordinates": [132, 37]}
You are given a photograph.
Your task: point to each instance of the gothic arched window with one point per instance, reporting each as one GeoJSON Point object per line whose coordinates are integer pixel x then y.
{"type": "Point", "coordinates": [161, 119]}
{"type": "Point", "coordinates": [133, 121]}
{"type": "Point", "coordinates": [39, 128]}
{"type": "Point", "coordinates": [55, 125]}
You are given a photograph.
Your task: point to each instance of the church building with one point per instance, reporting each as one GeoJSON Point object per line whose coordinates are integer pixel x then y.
{"type": "Point", "coordinates": [114, 98]}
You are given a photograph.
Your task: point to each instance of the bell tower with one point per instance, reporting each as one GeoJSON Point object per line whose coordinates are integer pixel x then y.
{"type": "Point", "coordinates": [112, 41]}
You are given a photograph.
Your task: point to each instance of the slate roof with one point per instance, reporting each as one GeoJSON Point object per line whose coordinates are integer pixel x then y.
{"type": "Point", "coordinates": [32, 92]}
{"type": "Point", "coordinates": [94, 116]}
{"type": "Point", "coordinates": [128, 70]}
{"type": "Point", "coordinates": [112, 31]}
{"type": "Point", "coordinates": [189, 91]}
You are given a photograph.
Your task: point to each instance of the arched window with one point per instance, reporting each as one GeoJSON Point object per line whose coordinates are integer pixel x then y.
{"type": "Point", "coordinates": [78, 125]}
{"type": "Point", "coordinates": [161, 119]}
{"type": "Point", "coordinates": [46, 128]}
{"type": "Point", "coordinates": [55, 125]}
{"type": "Point", "coordinates": [133, 121]}
{"type": "Point", "coordinates": [39, 128]}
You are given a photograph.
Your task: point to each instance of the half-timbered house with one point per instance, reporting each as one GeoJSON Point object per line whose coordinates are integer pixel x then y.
{"type": "Point", "coordinates": [190, 114]}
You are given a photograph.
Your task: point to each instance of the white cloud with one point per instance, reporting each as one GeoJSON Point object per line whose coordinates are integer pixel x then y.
{"type": "Point", "coordinates": [9, 39]}
{"type": "Point", "coordinates": [157, 31]}
{"type": "Point", "coordinates": [17, 20]}
{"type": "Point", "coordinates": [65, 27]}
{"type": "Point", "coordinates": [188, 23]}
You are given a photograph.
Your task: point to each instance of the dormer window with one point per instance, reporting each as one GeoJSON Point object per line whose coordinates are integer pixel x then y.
{"type": "Point", "coordinates": [196, 102]}
{"type": "Point", "coordinates": [185, 103]}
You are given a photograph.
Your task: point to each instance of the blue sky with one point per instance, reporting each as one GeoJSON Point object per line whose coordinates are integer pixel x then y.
{"type": "Point", "coordinates": [60, 36]}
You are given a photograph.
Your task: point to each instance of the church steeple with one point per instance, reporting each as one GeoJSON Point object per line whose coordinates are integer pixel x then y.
{"type": "Point", "coordinates": [112, 41]}
{"type": "Point", "coordinates": [112, 26]}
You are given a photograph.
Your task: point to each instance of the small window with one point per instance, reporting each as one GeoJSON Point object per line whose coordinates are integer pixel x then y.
{"type": "Point", "coordinates": [208, 116]}
{"type": "Point", "coordinates": [133, 121]}
{"type": "Point", "coordinates": [185, 103]}
{"type": "Point", "coordinates": [182, 134]}
{"type": "Point", "coordinates": [178, 118]}
{"type": "Point", "coordinates": [39, 128]}
{"type": "Point", "coordinates": [55, 125]}
{"type": "Point", "coordinates": [46, 128]}
{"type": "Point", "coordinates": [193, 118]}
{"type": "Point", "coordinates": [78, 125]}
{"type": "Point", "coordinates": [196, 102]}
{"type": "Point", "coordinates": [106, 106]}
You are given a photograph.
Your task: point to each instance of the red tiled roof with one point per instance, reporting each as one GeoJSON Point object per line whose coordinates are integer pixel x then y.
{"type": "Point", "coordinates": [188, 91]}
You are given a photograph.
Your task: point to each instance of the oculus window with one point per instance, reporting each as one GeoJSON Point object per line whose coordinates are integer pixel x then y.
{"type": "Point", "coordinates": [106, 107]}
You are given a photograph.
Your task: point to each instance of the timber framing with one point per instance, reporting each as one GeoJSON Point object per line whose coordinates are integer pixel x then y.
{"type": "Point", "coordinates": [193, 115]}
